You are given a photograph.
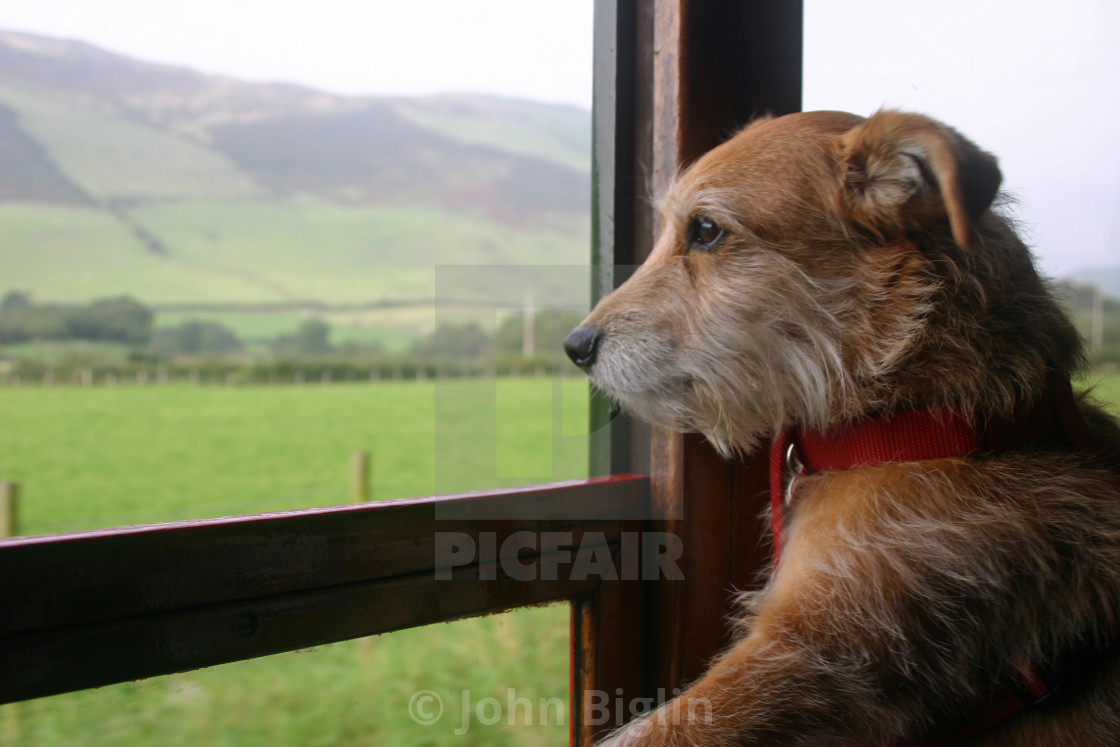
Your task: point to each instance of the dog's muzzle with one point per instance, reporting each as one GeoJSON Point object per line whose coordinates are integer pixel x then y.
{"type": "Point", "coordinates": [582, 345]}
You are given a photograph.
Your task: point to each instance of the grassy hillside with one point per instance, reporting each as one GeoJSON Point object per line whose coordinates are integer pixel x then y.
{"type": "Point", "coordinates": [30, 173]}
{"type": "Point", "coordinates": [257, 252]}
{"type": "Point", "coordinates": [115, 159]}
{"type": "Point", "coordinates": [123, 177]}
{"type": "Point", "coordinates": [65, 253]}
{"type": "Point", "coordinates": [559, 134]}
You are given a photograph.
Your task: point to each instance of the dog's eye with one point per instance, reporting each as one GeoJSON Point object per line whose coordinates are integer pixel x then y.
{"type": "Point", "coordinates": [704, 233]}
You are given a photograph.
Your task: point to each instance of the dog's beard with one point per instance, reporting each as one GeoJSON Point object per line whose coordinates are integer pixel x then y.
{"type": "Point", "coordinates": [759, 354]}
{"type": "Point", "coordinates": [679, 408]}
{"type": "Point", "coordinates": [637, 389]}
{"type": "Point", "coordinates": [737, 391]}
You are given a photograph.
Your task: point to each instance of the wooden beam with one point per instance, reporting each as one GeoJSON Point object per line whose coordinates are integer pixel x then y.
{"type": "Point", "coordinates": [92, 608]}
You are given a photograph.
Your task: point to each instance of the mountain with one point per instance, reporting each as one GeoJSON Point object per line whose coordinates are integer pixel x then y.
{"type": "Point", "coordinates": [123, 176]}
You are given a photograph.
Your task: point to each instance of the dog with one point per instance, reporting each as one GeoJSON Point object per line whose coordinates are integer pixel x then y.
{"type": "Point", "coordinates": [819, 279]}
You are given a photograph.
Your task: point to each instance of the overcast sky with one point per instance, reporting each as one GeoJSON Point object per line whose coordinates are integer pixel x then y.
{"type": "Point", "coordinates": [1034, 82]}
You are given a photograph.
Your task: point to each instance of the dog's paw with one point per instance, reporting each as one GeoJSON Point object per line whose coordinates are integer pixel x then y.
{"type": "Point", "coordinates": [681, 722]}
{"type": "Point", "coordinates": [632, 735]}
{"type": "Point", "coordinates": [647, 731]}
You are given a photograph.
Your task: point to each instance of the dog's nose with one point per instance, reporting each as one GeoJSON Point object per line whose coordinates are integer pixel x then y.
{"type": "Point", "coordinates": [581, 345]}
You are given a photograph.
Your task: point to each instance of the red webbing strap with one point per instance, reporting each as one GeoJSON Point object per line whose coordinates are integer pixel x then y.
{"type": "Point", "coordinates": [902, 436]}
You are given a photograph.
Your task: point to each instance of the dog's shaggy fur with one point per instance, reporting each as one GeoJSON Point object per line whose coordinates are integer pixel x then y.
{"type": "Point", "coordinates": [819, 268]}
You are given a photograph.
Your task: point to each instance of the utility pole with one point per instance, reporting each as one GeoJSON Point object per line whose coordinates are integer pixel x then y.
{"type": "Point", "coordinates": [1098, 319]}
{"type": "Point", "coordinates": [528, 327]}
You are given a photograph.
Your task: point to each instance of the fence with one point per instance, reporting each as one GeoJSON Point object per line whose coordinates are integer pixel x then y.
{"type": "Point", "coordinates": [360, 491]}
{"type": "Point", "coordinates": [34, 373]}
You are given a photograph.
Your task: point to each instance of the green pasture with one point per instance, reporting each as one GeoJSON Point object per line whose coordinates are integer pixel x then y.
{"type": "Point", "coordinates": [108, 456]}
{"type": "Point", "coordinates": [96, 457]}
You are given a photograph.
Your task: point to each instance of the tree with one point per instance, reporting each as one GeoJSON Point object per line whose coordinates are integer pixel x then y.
{"type": "Point", "coordinates": [312, 337]}
{"type": "Point", "coordinates": [466, 340]}
{"type": "Point", "coordinates": [14, 309]}
{"type": "Point", "coordinates": [15, 301]}
{"type": "Point", "coordinates": [121, 319]}
{"type": "Point", "coordinates": [550, 326]}
{"type": "Point", "coordinates": [197, 336]}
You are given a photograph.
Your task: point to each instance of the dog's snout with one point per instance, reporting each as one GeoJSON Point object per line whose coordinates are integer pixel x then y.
{"type": "Point", "coordinates": [581, 345]}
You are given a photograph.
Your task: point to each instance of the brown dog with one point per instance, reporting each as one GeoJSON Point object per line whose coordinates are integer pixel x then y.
{"type": "Point", "coordinates": [838, 275]}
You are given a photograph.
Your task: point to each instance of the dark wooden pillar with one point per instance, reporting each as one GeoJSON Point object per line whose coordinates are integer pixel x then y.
{"type": "Point", "coordinates": [717, 65]}
{"type": "Point", "coordinates": [673, 79]}
{"type": "Point", "coordinates": [607, 638]}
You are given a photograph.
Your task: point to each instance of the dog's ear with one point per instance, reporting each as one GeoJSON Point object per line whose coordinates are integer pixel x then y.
{"type": "Point", "coordinates": [905, 171]}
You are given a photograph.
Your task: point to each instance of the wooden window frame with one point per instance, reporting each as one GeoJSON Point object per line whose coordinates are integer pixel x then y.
{"type": "Point", "coordinates": [86, 609]}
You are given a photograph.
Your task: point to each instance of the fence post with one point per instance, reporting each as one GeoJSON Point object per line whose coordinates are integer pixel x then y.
{"type": "Point", "coordinates": [359, 477]}
{"type": "Point", "coordinates": [9, 509]}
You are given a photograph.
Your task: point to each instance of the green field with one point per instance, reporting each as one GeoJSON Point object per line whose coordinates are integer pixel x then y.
{"type": "Point", "coordinates": [88, 458]}
{"type": "Point", "coordinates": [1106, 388]}
{"type": "Point", "coordinates": [108, 456]}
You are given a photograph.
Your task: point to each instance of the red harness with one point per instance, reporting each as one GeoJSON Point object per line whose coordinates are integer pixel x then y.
{"type": "Point", "coordinates": [919, 435]}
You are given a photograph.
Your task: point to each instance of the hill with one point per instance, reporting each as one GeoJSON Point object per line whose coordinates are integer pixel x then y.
{"type": "Point", "coordinates": [122, 176]}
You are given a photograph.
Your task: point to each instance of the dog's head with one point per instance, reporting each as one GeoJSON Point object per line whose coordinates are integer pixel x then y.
{"type": "Point", "coordinates": [796, 269]}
